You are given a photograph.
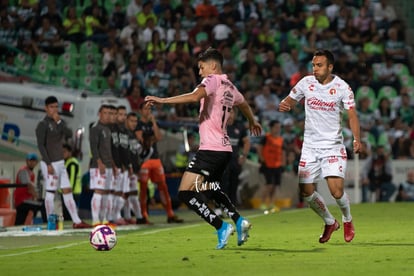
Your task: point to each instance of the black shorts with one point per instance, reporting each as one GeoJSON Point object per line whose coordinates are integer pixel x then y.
{"type": "Point", "coordinates": [210, 164]}
{"type": "Point", "coordinates": [272, 175]}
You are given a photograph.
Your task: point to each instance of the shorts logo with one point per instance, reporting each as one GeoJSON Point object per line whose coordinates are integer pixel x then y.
{"type": "Point", "coordinates": [332, 159]}
{"type": "Point", "coordinates": [302, 163]}
{"type": "Point", "coordinates": [340, 168]}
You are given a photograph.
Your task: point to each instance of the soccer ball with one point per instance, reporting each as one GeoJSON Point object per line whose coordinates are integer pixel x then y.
{"type": "Point", "coordinates": [102, 238]}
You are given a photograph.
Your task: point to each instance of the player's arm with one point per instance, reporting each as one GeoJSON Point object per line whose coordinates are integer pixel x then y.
{"type": "Point", "coordinates": [354, 125]}
{"type": "Point", "coordinates": [287, 104]}
{"type": "Point", "coordinates": [195, 96]}
{"type": "Point", "coordinates": [41, 132]}
{"type": "Point", "coordinates": [254, 126]}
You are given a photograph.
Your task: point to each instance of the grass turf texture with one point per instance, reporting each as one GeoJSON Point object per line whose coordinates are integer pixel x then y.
{"type": "Point", "coordinates": [285, 243]}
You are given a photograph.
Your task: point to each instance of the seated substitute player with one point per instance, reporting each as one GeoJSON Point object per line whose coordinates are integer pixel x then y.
{"type": "Point", "coordinates": [323, 152]}
{"type": "Point", "coordinates": [217, 96]}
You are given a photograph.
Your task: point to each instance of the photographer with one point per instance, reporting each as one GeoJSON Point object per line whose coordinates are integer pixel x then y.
{"type": "Point", "coordinates": [379, 174]}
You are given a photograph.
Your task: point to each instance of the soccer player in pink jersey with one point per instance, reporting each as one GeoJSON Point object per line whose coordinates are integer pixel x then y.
{"type": "Point", "coordinates": [217, 96]}
{"type": "Point", "coordinates": [323, 153]}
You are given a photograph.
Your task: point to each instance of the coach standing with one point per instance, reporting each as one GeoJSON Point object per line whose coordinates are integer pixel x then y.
{"type": "Point", "coordinates": [50, 134]}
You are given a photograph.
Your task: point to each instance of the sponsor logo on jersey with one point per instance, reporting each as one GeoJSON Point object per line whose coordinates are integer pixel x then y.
{"type": "Point", "coordinates": [317, 104]}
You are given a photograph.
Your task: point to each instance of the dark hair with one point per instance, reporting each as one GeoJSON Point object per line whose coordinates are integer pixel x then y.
{"type": "Point", "coordinates": [111, 107]}
{"type": "Point", "coordinates": [211, 54]}
{"type": "Point", "coordinates": [121, 107]}
{"type": "Point", "coordinates": [325, 53]}
{"type": "Point", "coordinates": [67, 147]}
{"type": "Point", "coordinates": [51, 100]}
{"type": "Point", "coordinates": [131, 114]}
{"type": "Point", "coordinates": [103, 107]}
{"type": "Point", "coordinates": [273, 122]}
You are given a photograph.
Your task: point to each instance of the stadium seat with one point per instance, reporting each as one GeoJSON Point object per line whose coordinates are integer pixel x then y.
{"type": "Point", "coordinates": [402, 70]}
{"type": "Point", "coordinates": [88, 47]}
{"type": "Point", "coordinates": [387, 92]}
{"type": "Point", "coordinates": [366, 91]}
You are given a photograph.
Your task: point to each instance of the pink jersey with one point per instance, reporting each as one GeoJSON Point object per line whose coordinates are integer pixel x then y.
{"type": "Point", "coordinates": [324, 105]}
{"type": "Point", "coordinates": [222, 95]}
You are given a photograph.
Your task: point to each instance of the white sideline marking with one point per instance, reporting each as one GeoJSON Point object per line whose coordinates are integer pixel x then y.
{"type": "Point", "coordinates": [149, 232]}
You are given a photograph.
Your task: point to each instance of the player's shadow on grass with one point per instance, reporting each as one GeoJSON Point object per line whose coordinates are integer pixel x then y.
{"type": "Point", "coordinates": [382, 244]}
{"type": "Point", "coordinates": [260, 249]}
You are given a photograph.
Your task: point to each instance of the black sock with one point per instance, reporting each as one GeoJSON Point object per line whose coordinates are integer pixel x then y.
{"type": "Point", "coordinates": [224, 202]}
{"type": "Point", "coordinates": [195, 201]}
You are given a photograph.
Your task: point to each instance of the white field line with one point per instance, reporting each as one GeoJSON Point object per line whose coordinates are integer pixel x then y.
{"type": "Point", "coordinates": [149, 232]}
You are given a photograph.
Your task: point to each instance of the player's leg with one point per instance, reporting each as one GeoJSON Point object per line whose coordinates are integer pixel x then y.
{"type": "Point", "coordinates": [133, 198]}
{"type": "Point", "coordinates": [333, 170]}
{"type": "Point", "coordinates": [143, 184]}
{"type": "Point", "coordinates": [50, 186]}
{"type": "Point", "coordinates": [157, 175]}
{"type": "Point", "coordinates": [309, 171]}
{"type": "Point", "coordinates": [97, 184]}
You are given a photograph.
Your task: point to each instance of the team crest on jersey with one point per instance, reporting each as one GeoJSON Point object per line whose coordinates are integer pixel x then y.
{"type": "Point", "coordinates": [294, 90]}
{"type": "Point", "coordinates": [311, 87]}
{"type": "Point", "coordinates": [332, 91]}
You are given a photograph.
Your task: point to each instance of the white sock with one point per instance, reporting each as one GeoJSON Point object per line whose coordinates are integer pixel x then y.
{"type": "Point", "coordinates": [49, 203]}
{"type": "Point", "coordinates": [119, 204]}
{"type": "Point", "coordinates": [318, 205]}
{"type": "Point", "coordinates": [71, 206]}
{"type": "Point", "coordinates": [96, 203]}
{"type": "Point", "coordinates": [110, 207]}
{"type": "Point", "coordinates": [127, 210]}
{"type": "Point", "coordinates": [343, 203]}
{"type": "Point", "coordinates": [135, 206]}
{"type": "Point", "coordinates": [104, 208]}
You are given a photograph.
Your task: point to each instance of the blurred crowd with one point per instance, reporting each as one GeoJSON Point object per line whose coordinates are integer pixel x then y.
{"type": "Point", "coordinates": [149, 48]}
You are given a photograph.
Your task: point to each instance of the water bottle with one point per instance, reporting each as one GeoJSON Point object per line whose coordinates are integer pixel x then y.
{"type": "Point", "coordinates": [60, 222]}
{"type": "Point", "coordinates": [32, 228]}
{"type": "Point", "coordinates": [51, 222]}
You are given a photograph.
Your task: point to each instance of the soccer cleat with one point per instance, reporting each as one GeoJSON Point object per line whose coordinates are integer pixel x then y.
{"type": "Point", "coordinates": [329, 229]}
{"type": "Point", "coordinates": [349, 231]}
{"type": "Point", "coordinates": [174, 219]}
{"type": "Point", "coordinates": [223, 234]}
{"type": "Point", "coordinates": [243, 226]}
{"type": "Point", "coordinates": [81, 225]}
{"type": "Point", "coordinates": [144, 221]}
{"type": "Point", "coordinates": [121, 221]}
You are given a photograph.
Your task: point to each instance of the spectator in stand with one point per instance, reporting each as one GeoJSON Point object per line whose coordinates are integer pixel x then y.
{"type": "Point", "coordinates": [362, 22]}
{"type": "Point", "coordinates": [185, 13]}
{"type": "Point", "coordinates": [384, 114]}
{"type": "Point", "coordinates": [132, 72]}
{"type": "Point", "coordinates": [365, 114]}
{"type": "Point", "coordinates": [26, 10]}
{"type": "Point", "coordinates": [130, 36]}
{"type": "Point", "coordinates": [374, 48]}
{"type": "Point", "coordinates": [27, 199]}
{"type": "Point", "coordinates": [252, 81]}
{"type": "Point", "coordinates": [161, 72]}
{"type": "Point", "coordinates": [302, 72]}
{"type": "Point", "coordinates": [267, 103]}
{"type": "Point", "coordinates": [378, 170]}
{"type": "Point", "coordinates": [95, 30]}
{"type": "Point", "coordinates": [112, 88]}
{"type": "Point", "coordinates": [51, 11]}
{"type": "Point", "coordinates": [118, 17]}
{"type": "Point", "coordinates": [350, 37]}
{"type": "Point", "coordinates": [404, 106]}
{"type": "Point", "coordinates": [112, 59]}
{"type": "Point", "coordinates": [134, 95]}
{"type": "Point", "coordinates": [156, 47]}
{"type": "Point", "coordinates": [73, 26]}
{"type": "Point", "coordinates": [101, 14]}
{"type": "Point", "coordinates": [396, 48]}
{"type": "Point", "coordinates": [292, 15]}
{"type": "Point", "coordinates": [145, 14]}
{"type": "Point", "coordinates": [317, 21]}
{"type": "Point", "coordinates": [133, 8]}
{"type": "Point", "coordinates": [387, 74]}
{"type": "Point", "coordinates": [48, 38]}
{"type": "Point", "coordinates": [406, 188]}
{"type": "Point", "coordinates": [384, 14]}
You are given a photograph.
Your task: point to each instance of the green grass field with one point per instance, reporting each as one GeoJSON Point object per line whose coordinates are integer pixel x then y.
{"type": "Point", "coordinates": [285, 243]}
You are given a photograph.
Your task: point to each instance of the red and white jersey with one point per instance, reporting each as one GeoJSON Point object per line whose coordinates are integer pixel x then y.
{"type": "Point", "coordinates": [222, 95]}
{"type": "Point", "coordinates": [324, 104]}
